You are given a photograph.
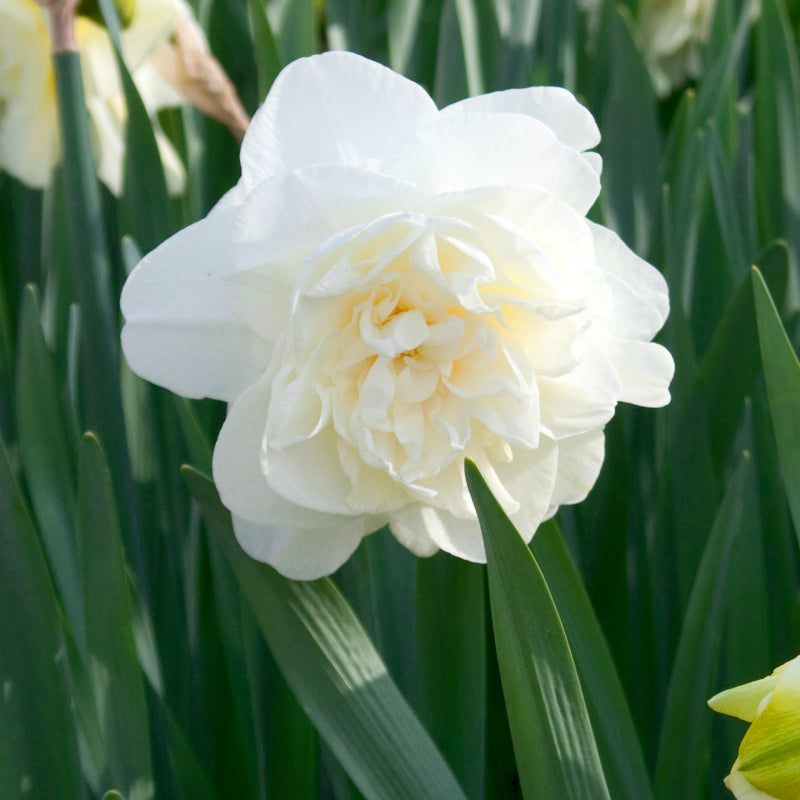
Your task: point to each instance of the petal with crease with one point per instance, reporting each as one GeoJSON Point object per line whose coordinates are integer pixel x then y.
{"type": "Point", "coordinates": [179, 332]}
{"type": "Point", "coordinates": [303, 554]}
{"type": "Point", "coordinates": [362, 107]}
{"type": "Point", "coordinates": [461, 151]}
{"type": "Point", "coordinates": [571, 122]}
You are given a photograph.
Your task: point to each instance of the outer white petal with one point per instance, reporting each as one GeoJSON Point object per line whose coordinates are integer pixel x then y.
{"type": "Point", "coordinates": [640, 297]}
{"type": "Point", "coordinates": [741, 788]}
{"type": "Point", "coordinates": [332, 108]}
{"type": "Point", "coordinates": [579, 461]}
{"type": "Point", "coordinates": [459, 151]}
{"type": "Point", "coordinates": [179, 332]}
{"type": "Point", "coordinates": [571, 122]}
{"type": "Point", "coordinates": [293, 212]}
{"type": "Point", "coordinates": [526, 482]}
{"type": "Point", "coordinates": [529, 478]}
{"type": "Point", "coordinates": [581, 400]}
{"type": "Point", "coordinates": [302, 554]}
{"type": "Point", "coordinates": [309, 473]}
{"type": "Point", "coordinates": [423, 529]}
{"type": "Point", "coordinates": [407, 529]}
{"type": "Point", "coordinates": [645, 368]}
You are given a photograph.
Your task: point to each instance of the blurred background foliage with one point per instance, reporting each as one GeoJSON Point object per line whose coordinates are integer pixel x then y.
{"type": "Point", "coordinates": [139, 652]}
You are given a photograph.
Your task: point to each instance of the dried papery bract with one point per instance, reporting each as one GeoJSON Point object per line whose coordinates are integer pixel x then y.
{"type": "Point", "coordinates": [62, 16]}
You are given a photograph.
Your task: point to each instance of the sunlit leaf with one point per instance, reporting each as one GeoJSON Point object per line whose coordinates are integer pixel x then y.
{"type": "Point", "coordinates": [553, 740]}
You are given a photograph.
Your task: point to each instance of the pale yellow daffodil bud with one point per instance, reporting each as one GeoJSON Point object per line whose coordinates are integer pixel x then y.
{"type": "Point", "coordinates": [768, 765]}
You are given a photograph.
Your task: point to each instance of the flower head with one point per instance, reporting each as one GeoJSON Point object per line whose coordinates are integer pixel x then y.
{"type": "Point", "coordinates": [389, 289]}
{"type": "Point", "coordinates": [29, 135]}
{"type": "Point", "coordinates": [768, 765]}
{"type": "Point", "coordinates": [672, 33]}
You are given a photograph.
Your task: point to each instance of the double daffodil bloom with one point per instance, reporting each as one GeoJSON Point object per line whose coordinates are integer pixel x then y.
{"type": "Point", "coordinates": [768, 765]}
{"type": "Point", "coordinates": [29, 134]}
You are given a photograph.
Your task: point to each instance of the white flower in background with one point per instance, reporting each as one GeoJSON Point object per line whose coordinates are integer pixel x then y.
{"type": "Point", "coordinates": [592, 9]}
{"type": "Point", "coordinates": [672, 33]}
{"type": "Point", "coordinates": [389, 289]}
{"type": "Point", "coordinates": [29, 133]}
{"type": "Point", "coordinates": [768, 764]}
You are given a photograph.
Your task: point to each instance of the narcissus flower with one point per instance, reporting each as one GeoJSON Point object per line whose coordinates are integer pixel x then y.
{"type": "Point", "coordinates": [768, 765]}
{"type": "Point", "coordinates": [389, 289]}
{"type": "Point", "coordinates": [672, 33]}
{"type": "Point", "coordinates": [29, 133]}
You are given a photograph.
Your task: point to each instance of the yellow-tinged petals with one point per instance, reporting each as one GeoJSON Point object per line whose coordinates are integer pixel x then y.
{"type": "Point", "coordinates": [768, 765]}
{"type": "Point", "coordinates": [29, 140]}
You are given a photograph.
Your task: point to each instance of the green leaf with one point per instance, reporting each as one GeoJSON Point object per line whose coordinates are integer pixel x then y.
{"type": "Point", "coordinates": [777, 128]}
{"type": "Point", "coordinates": [617, 741]}
{"type": "Point", "coordinates": [732, 227]}
{"type": "Point", "coordinates": [451, 664]}
{"type": "Point", "coordinates": [519, 26]}
{"type": "Point", "coordinates": [403, 31]}
{"type": "Point", "coordinates": [779, 537]}
{"type": "Point", "coordinates": [334, 671]}
{"type": "Point", "coordinates": [731, 363]}
{"type": "Point", "coordinates": [40, 755]}
{"type": "Point", "coordinates": [782, 374]}
{"type": "Point", "coordinates": [47, 457]}
{"type": "Point", "coordinates": [718, 85]}
{"type": "Point", "coordinates": [266, 51]}
{"type": "Point", "coordinates": [388, 617]}
{"type": "Point", "coordinates": [685, 730]}
{"type": "Point", "coordinates": [277, 733]}
{"type": "Point", "coordinates": [294, 26]}
{"type": "Point", "coordinates": [451, 80]}
{"type": "Point", "coordinates": [144, 205]}
{"type": "Point", "coordinates": [413, 36]}
{"type": "Point", "coordinates": [553, 740]}
{"type": "Point", "coordinates": [99, 339]}
{"type": "Point", "coordinates": [111, 648]}
{"type": "Point", "coordinates": [631, 144]}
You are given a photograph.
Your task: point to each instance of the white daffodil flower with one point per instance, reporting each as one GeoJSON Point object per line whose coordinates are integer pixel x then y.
{"type": "Point", "coordinates": [768, 764]}
{"type": "Point", "coordinates": [29, 133]}
{"type": "Point", "coordinates": [672, 33]}
{"type": "Point", "coordinates": [389, 289]}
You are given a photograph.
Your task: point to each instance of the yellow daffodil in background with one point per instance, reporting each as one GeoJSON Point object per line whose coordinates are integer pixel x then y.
{"type": "Point", "coordinates": [29, 138]}
{"type": "Point", "coordinates": [768, 765]}
{"type": "Point", "coordinates": [672, 33]}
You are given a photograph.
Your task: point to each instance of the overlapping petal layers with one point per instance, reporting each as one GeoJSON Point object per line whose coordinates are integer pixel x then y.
{"type": "Point", "coordinates": [389, 289]}
{"type": "Point", "coordinates": [768, 764]}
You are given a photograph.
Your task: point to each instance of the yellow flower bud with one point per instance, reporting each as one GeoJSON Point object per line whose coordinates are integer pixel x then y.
{"type": "Point", "coordinates": [768, 766]}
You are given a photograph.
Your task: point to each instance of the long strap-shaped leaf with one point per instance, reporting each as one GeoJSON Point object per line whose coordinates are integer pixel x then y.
{"type": "Point", "coordinates": [782, 374]}
{"type": "Point", "coordinates": [38, 748]}
{"type": "Point", "coordinates": [553, 741]}
{"type": "Point", "coordinates": [680, 770]}
{"type": "Point", "coordinates": [335, 672]}
{"type": "Point", "coordinates": [617, 741]}
{"type": "Point", "coordinates": [109, 627]}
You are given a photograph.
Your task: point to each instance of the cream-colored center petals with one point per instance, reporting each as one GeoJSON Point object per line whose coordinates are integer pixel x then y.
{"type": "Point", "coordinates": [410, 340]}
